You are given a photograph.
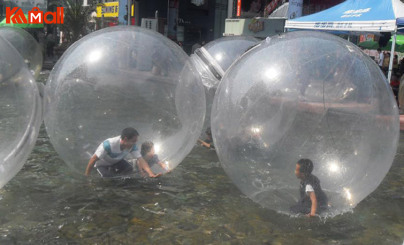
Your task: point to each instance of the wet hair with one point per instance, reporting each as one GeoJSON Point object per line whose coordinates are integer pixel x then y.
{"type": "Point", "coordinates": [129, 133]}
{"type": "Point", "coordinates": [306, 166]}
{"type": "Point", "coordinates": [146, 148]}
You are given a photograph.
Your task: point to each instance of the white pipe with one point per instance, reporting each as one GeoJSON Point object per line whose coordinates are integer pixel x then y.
{"type": "Point", "coordinates": [230, 9]}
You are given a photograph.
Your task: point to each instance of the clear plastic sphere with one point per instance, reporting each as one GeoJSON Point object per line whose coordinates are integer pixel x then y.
{"type": "Point", "coordinates": [123, 77]}
{"type": "Point", "coordinates": [20, 112]}
{"type": "Point", "coordinates": [26, 45]}
{"type": "Point", "coordinates": [305, 95]}
{"type": "Point", "coordinates": [213, 59]}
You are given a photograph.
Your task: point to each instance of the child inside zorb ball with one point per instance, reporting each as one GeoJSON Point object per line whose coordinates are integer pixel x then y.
{"type": "Point", "coordinates": [305, 95]}
{"type": "Point", "coordinates": [121, 77]}
{"type": "Point", "coordinates": [109, 158]}
{"type": "Point", "coordinates": [312, 200]}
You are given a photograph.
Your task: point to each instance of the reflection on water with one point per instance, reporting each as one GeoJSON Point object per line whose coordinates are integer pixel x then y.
{"type": "Point", "coordinates": [195, 204]}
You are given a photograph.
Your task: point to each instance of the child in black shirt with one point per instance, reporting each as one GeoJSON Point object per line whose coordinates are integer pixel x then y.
{"type": "Point", "coordinates": [312, 198]}
{"type": "Point", "coordinates": [208, 142]}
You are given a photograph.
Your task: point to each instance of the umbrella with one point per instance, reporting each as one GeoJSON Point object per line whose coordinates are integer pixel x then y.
{"type": "Point", "coordinates": [375, 45]}
{"type": "Point", "coordinates": [28, 25]}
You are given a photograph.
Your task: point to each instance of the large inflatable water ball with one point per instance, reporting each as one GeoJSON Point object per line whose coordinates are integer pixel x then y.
{"type": "Point", "coordinates": [20, 112]}
{"type": "Point", "coordinates": [213, 59]}
{"type": "Point", "coordinates": [305, 95]}
{"type": "Point", "coordinates": [123, 77]}
{"type": "Point", "coordinates": [26, 45]}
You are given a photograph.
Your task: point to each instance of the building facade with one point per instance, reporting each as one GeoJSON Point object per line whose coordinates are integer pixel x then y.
{"type": "Point", "coordinates": [263, 8]}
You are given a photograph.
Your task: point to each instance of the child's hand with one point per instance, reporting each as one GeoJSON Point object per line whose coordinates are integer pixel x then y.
{"type": "Point", "coordinates": [155, 175]}
{"type": "Point", "coordinates": [164, 165]}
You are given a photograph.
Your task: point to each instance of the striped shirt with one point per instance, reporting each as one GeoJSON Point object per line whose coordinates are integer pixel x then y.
{"type": "Point", "coordinates": [109, 152]}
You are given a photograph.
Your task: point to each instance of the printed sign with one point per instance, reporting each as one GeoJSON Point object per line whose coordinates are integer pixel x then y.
{"type": "Point", "coordinates": [333, 25]}
{"type": "Point", "coordinates": [110, 9]}
{"type": "Point", "coordinates": [355, 12]}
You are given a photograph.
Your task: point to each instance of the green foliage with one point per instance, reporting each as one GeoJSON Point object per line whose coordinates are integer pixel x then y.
{"type": "Point", "coordinates": [76, 19]}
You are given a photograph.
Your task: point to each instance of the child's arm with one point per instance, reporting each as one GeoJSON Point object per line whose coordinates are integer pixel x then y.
{"type": "Point", "coordinates": [313, 199]}
{"type": "Point", "coordinates": [164, 166]}
{"type": "Point", "coordinates": [207, 145]}
{"type": "Point", "coordinates": [144, 166]}
{"type": "Point", "coordinates": [140, 167]}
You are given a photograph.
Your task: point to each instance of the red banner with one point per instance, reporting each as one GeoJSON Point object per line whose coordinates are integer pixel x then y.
{"type": "Point", "coordinates": [271, 6]}
{"type": "Point", "coordinates": [238, 8]}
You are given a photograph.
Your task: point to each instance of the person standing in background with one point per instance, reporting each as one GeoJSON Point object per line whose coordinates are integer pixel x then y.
{"type": "Point", "coordinates": [381, 58]}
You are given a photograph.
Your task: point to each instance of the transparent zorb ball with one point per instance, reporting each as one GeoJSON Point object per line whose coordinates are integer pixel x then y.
{"type": "Point", "coordinates": [123, 77]}
{"type": "Point", "coordinates": [213, 59]}
{"type": "Point", "coordinates": [20, 112]}
{"type": "Point", "coordinates": [26, 45]}
{"type": "Point", "coordinates": [305, 95]}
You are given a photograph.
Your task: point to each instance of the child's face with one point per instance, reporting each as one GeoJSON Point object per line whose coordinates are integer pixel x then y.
{"type": "Point", "coordinates": [150, 153]}
{"type": "Point", "coordinates": [297, 172]}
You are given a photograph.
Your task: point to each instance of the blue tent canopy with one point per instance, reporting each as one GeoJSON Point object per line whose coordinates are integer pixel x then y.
{"type": "Point", "coordinates": [357, 16]}
{"type": "Point", "coordinates": [354, 16]}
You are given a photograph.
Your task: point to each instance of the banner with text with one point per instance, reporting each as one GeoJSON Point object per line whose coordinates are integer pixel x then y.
{"type": "Point", "coordinates": [110, 9]}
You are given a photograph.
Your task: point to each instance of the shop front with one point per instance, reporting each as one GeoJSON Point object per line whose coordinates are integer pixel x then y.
{"type": "Point", "coordinates": [263, 18]}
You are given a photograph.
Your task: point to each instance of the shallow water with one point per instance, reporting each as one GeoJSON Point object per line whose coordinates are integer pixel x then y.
{"type": "Point", "coordinates": [46, 203]}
